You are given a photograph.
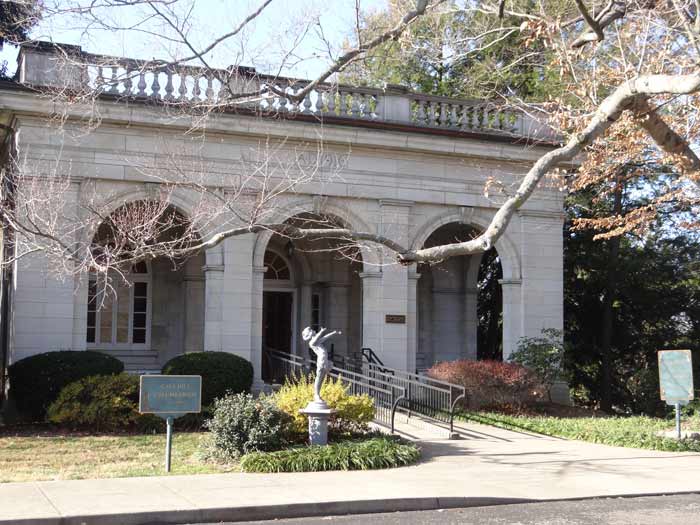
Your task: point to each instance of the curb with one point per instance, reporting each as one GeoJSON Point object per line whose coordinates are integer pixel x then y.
{"type": "Point", "coordinates": [301, 510]}
{"type": "Point", "coordinates": [269, 512]}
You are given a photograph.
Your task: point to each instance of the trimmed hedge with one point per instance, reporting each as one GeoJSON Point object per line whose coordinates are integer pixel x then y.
{"type": "Point", "coordinates": [36, 381]}
{"type": "Point", "coordinates": [222, 373]}
{"type": "Point", "coordinates": [375, 453]}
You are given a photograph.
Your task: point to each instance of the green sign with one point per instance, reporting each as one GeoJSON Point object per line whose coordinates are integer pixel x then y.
{"type": "Point", "coordinates": [170, 396]}
{"type": "Point", "coordinates": [676, 376]}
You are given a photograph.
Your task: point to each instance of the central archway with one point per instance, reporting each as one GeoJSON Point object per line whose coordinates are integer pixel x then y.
{"type": "Point", "coordinates": [312, 282]}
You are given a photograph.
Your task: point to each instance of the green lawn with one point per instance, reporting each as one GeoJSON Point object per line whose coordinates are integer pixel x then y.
{"type": "Point", "coordinates": [633, 432]}
{"type": "Point", "coordinates": [52, 457]}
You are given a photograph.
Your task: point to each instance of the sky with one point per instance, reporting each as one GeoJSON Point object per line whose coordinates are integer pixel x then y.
{"type": "Point", "coordinates": [293, 32]}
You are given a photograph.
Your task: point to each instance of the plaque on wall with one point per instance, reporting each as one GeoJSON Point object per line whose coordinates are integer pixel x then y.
{"type": "Point", "coordinates": [395, 319]}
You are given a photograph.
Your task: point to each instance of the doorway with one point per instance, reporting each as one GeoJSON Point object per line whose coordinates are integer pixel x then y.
{"type": "Point", "coordinates": [277, 320]}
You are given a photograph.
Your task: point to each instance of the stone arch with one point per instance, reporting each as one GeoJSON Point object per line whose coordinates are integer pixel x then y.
{"type": "Point", "coordinates": [178, 200]}
{"type": "Point", "coordinates": [506, 248]}
{"type": "Point", "coordinates": [348, 218]}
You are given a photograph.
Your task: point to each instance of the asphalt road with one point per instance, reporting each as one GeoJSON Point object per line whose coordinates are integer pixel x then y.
{"type": "Point", "coordinates": [654, 510]}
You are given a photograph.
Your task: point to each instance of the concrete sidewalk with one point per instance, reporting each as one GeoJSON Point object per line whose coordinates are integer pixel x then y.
{"type": "Point", "coordinates": [488, 466]}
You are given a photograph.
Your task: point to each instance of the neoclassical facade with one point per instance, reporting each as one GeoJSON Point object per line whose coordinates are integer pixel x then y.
{"type": "Point", "coordinates": [382, 166]}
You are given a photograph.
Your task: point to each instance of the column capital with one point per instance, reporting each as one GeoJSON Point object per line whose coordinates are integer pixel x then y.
{"type": "Point", "coordinates": [370, 275]}
{"type": "Point", "coordinates": [213, 268]}
{"type": "Point", "coordinates": [414, 275]}
{"type": "Point", "coordinates": [510, 282]}
{"type": "Point", "coordinates": [259, 269]}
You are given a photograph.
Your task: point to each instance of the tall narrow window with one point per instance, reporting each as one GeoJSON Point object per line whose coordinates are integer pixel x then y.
{"type": "Point", "coordinates": [316, 311]}
{"type": "Point", "coordinates": [121, 317]}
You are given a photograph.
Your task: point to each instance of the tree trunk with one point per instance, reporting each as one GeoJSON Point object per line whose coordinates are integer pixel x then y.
{"type": "Point", "coordinates": [608, 312]}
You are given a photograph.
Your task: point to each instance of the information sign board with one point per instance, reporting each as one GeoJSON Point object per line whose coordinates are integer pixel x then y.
{"type": "Point", "coordinates": [676, 376]}
{"type": "Point", "coordinates": [166, 396]}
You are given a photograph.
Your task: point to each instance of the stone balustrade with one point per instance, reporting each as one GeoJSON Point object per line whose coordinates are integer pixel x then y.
{"type": "Point", "coordinates": [60, 66]}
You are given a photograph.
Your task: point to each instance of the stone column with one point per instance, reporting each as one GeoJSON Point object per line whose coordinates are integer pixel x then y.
{"type": "Point", "coordinates": [471, 323]}
{"type": "Point", "coordinates": [372, 310]}
{"type": "Point", "coordinates": [412, 318]}
{"type": "Point", "coordinates": [213, 299]}
{"type": "Point", "coordinates": [512, 314]}
{"type": "Point", "coordinates": [542, 271]}
{"type": "Point", "coordinates": [304, 316]}
{"type": "Point", "coordinates": [338, 313]}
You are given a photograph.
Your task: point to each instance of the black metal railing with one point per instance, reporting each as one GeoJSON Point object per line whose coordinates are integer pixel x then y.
{"type": "Point", "coordinates": [392, 389]}
{"type": "Point", "coordinates": [386, 396]}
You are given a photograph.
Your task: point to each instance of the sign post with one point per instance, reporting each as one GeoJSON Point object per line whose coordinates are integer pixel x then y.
{"type": "Point", "coordinates": [170, 397]}
{"type": "Point", "coordinates": [676, 380]}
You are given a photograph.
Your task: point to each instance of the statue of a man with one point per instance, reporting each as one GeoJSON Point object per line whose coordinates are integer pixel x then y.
{"type": "Point", "coordinates": [323, 363]}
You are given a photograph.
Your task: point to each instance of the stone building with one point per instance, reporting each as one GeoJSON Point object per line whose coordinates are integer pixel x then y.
{"type": "Point", "coordinates": [410, 166]}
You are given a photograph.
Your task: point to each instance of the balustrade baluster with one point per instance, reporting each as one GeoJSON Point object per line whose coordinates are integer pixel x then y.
{"type": "Point", "coordinates": [420, 113]}
{"type": "Point", "coordinates": [432, 113]}
{"type": "Point", "coordinates": [343, 107]}
{"type": "Point", "coordinates": [306, 103]}
{"type": "Point", "coordinates": [443, 114]}
{"type": "Point", "coordinates": [142, 83]}
{"type": "Point", "coordinates": [114, 82]}
{"type": "Point", "coordinates": [465, 118]}
{"type": "Point", "coordinates": [155, 85]}
{"type": "Point", "coordinates": [128, 83]}
{"type": "Point", "coordinates": [330, 101]}
{"type": "Point", "coordinates": [454, 119]}
{"type": "Point", "coordinates": [355, 105]}
{"type": "Point", "coordinates": [196, 90]}
{"type": "Point", "coordinates": [209, 92]}
{"type": "Point", "coordinates": [182, 89]}
{"type": "Point", "coordinates": [169, 88]}
{"type": "Point", "coordinates": [99, 80]}
{"type": "Point", "coordinates": [476, 117]}
{"type": "Point", "coordinates": [282, 107]}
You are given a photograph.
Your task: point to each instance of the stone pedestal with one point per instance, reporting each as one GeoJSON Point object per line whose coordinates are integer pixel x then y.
{"type": "Point", "coordinates": [318, 413]}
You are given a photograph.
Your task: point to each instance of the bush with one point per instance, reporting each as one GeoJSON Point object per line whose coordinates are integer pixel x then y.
{"type": "Point", "coordinates": [352, 412]}
{"type": "Point", "coordinates": [111, 404]}
{"type": "Point", "coordinates": [101, 403]}
{"type": "Point", "coordinates": [241, 424]}
{"type": "Point", "coordinates": [491, 383]}
{"type": "Point", "coordinates": [222, 373]}
{"type": "Point", "coordinates": [376, 453]}
{"type": "Point", "coordinates": [36, 381]}
{"type": "Point", "coordinates": [543, 355]}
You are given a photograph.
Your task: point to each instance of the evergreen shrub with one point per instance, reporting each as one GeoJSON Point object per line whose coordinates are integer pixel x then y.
{"type": "Point", "coordinates": [241, 424]}
{"type": "Point", "coordinates": [222, 373]}
{"type": "Point", "coordinates": [36, 381]}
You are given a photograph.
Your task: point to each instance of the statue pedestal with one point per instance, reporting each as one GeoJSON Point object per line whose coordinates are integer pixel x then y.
{"type": "Point", "coordinates": [318, 413]}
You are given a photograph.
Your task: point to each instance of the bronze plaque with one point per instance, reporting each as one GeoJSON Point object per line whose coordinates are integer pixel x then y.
{"type": "Point", "coordinates": [396, 319]}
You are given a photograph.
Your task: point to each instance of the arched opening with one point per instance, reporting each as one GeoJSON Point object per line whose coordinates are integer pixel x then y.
{"type": "Point", "coordinates": [145, 312]}
{"type": "Point", "coordinates": [459, 303]}
{"type": "Point", "coordinates": [312, 282]}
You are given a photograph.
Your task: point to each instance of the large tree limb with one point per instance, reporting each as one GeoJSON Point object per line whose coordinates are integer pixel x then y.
{"type": "Point", "coordinates": [615, 10]}
{"type": "Point", "coordinates": [624, 97]}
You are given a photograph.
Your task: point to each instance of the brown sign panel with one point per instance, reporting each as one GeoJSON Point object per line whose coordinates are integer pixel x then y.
{"type": "Point", "coordinates": [395, 319]}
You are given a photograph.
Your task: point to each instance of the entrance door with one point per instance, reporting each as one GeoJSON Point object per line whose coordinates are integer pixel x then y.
{"type": "Point", "coordinates": [277, 321]}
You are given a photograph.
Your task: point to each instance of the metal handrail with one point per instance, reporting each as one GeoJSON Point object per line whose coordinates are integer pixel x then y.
{"type": "Point", "coordinates": [385, 395]}
{"type": "Point", "coordinates": [432, 399]}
